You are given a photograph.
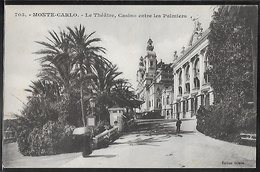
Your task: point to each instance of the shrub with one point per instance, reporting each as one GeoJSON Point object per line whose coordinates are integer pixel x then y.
{"type": "Point", "coordinates": [23, 144]}
{"type": "Point", "coordinates": [226, 122]}
{"type": "Point", "coordinates": [52, 138]}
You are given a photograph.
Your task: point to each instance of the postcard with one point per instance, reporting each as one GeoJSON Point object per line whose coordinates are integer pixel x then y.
{"type": "Point", "coordinates": [130, 86]}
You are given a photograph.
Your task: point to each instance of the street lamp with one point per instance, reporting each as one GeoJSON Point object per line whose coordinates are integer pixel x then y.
{"type": "Point", "coordinates": [91, 119]}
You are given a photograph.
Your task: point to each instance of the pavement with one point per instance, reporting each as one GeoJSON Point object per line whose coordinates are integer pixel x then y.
{"type": "Point", "coordinates": [151, 144]}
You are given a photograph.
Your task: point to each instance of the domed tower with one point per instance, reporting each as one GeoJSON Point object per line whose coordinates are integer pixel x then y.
{"type": "Point", "coordinates": [150, 62]}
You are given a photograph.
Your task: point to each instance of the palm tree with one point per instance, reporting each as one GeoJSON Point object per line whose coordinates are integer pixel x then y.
{"type": "Point", "coordinates": [123, 93]}
{"type": "Point", "coordinates": [44, 89]}
{"type": "Point", "coordinates": [105, 75]}
{"type": "Point", "coordinates": [83, 57]}
{"type": "Point", "coordinates": [56, 61]}
{"type": "Point", "coordinates": [43, 92]}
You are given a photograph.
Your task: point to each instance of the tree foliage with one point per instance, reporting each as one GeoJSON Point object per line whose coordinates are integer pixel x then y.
{"type": "Point", "coordinates": [231, 53]}
{"type": "Point", "coordinates": [73, 70]}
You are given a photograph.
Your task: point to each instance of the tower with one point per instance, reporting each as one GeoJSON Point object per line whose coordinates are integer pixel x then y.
{"type": "Point", "coordinates": [150, 63]}
{"type": "Point", "coordinates": [141, 70]}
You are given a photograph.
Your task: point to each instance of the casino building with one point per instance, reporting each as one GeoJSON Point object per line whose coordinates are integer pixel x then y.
{"type": "Point", "coordinates": [179, 88]}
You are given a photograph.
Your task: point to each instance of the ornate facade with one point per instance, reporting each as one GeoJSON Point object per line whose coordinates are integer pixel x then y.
{"type": "Point", "coordinates": [179, 88]}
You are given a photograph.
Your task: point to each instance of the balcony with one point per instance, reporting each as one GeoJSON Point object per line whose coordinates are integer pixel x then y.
{"type": "Point", "coordinates": [196, 88]}
{"type": "Point", "coordinates": [186, 94]}
{"type": "Point", "coordinates": [205, 86]}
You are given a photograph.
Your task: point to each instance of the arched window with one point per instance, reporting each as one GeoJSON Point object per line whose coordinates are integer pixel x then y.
{"type": "Point", "coordinates": [180, 79]}
{"type": "Point", "coordinates": [184, 107]}
{"type": "Point", "coordinates": [206, 68]}
{"type": "Point", "coordinates": [151, 63]}
{"type": "Point", "coordinates": [180, 90]}
{"type": "Point", "coordinates": [196, 68]}
{"type": "Point", "coordinates": [196, 83]}
{"type": "Point", "coordinates": [159, 105]}
{"type": "Point", "coordinates": [187, 73]}
{"type": "Point", "coordinates": [187, 86]}
{"type": "Point", "coordinates": [168, 100]}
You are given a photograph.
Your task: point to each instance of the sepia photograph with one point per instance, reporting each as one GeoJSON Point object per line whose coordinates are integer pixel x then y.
{"type": "Point", "coordinates": [130, 86]}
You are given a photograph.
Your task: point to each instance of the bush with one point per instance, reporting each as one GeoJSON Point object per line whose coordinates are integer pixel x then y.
{"type": "Point", "coordinates": [225, 121]}
{"type": "Point", "coordinates": [23, 143]}
{"type": "Point", "coordinates": [52, 138]}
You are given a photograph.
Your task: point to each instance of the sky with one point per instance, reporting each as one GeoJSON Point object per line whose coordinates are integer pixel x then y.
{"type": "Point", "coordinates": [125, 38]}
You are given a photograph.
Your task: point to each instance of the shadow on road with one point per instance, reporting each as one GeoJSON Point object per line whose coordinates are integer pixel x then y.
{"type": "Point", "coordinates": [150, 133]}
{"type": "Point", "coordinates": [158, 128]}
{"type": "Point", "coordinates": [103, 156]}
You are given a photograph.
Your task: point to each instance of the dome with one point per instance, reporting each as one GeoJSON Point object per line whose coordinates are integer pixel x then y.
{"type": "Point", "coordinates": [151, 53]}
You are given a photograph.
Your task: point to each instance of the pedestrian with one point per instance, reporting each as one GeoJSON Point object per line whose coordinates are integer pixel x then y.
{"type": "Point", "coordinates": [178, 125]}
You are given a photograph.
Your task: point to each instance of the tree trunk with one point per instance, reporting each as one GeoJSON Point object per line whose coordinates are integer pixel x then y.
{"type": "Point", "coordinates": [81, 100]}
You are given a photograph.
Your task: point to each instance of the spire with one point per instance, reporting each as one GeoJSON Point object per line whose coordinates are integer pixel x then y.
{"type": "Point", "coordinates": [150, 46]}
{"type": "Point", "coordinates": [141, 63]}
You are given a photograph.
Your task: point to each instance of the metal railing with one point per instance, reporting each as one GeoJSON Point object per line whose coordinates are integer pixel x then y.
{"type": "Point", "coordinates": [9, 136]}
{"type": "Point", "coordinates": [130, 123]}
{"type": "Point", "coordinates": [250, 137]}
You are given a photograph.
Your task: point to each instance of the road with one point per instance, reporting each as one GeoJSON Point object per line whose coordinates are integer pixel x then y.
{"type": "Point", "coordinates": [153, 144]}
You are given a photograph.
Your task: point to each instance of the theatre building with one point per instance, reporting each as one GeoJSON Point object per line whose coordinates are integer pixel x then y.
{"type": "Point", "coordinates": [179, 88]}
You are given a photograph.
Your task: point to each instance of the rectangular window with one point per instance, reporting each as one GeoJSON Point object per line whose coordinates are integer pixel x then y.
{"type": "Point", "coordinates": [192, 104]}
{"type": "Point", "coordinates": [202, 100]}
{"type": "Point", "coordinates": [187, 105]}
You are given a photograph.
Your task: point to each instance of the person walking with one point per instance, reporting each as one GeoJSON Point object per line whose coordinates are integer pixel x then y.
{"type": "Point", "coordinates": [178, 125]}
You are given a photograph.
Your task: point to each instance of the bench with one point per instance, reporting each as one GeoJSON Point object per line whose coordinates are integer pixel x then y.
{"type": "Point", "coordinates": [103, 139]}
{"type": "Point", "coordinates": [248, 138]}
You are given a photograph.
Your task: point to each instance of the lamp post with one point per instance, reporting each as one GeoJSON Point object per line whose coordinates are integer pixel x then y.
{"type": "Point", "coordinates": [90, 120]}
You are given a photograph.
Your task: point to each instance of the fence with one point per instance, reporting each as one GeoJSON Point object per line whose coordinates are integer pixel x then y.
{"type": "Point", "coordinates": [103, 139]}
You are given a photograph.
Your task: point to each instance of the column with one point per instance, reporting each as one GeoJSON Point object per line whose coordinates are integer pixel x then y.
{"type": "Point", "coordinates": [202, 70]}
{"type": "Point", "coordinates": [181, 109]}
{"type": "Point", "coordinates": [199, 101]}
{"type": "Point", "coordinates": [147, 100]}
{"type": "Point", "coordinates": [191, 104]}
{"type": "Point", "coordinates": [183, 80]}
{"type": "Point", "coordinates": [211, 98]}
{"type": "Point", "coordinates": [175, 77]}
{"type": "Point", "coordinates": [191, 76]}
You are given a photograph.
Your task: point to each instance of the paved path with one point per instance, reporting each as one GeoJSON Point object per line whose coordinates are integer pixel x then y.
{"type": "Point", "coordinates": [153, 144]}
{"type": "Point", "coordinates": [161, 147]}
